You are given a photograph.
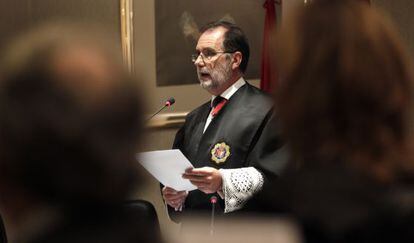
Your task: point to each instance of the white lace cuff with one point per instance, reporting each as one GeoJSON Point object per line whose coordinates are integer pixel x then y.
{"type": "Point", "coordinates": [239, 185]}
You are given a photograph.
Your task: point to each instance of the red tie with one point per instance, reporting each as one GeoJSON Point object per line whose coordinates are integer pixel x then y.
{"type": "Point", "coordinates": [218, 103]}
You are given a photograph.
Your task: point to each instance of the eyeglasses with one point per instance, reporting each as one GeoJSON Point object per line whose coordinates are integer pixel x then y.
{"type": "Point", "coordinates": [207, 56]}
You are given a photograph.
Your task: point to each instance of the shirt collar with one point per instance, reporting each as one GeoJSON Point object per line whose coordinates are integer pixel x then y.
{"type": "Point", "coordinates": [229, 92]}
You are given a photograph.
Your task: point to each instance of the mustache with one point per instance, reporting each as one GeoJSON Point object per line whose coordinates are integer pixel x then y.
{"type": "Point", "coordinates": [203, 71]}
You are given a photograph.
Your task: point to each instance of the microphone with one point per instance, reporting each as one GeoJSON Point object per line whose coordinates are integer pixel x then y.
{"type": "Point", "coordinates": [167, 103]}
{"type": "Point", "coordinates": [213, 201]}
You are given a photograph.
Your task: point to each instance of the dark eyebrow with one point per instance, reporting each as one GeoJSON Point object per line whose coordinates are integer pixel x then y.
{"type": "Point", "coordinates": [209, 49]}
{"type": "Point", "coordinates": [206, 49]}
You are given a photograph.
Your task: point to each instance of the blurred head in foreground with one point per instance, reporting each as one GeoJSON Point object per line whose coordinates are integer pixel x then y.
{"type": "Point", "coordinates": [344, 101]}
{"type": "Point", "coordinates": [346, 87]}
{"type": "Point", "coordinates": [70, 121]}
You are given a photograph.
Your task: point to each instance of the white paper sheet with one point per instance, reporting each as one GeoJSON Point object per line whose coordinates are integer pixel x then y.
{"type": "Point", "coordinates": [167, 166]}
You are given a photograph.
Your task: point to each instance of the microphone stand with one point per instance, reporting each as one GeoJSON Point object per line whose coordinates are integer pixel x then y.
{"type": "Point", "coordinates": [213, 201]}
{"type": "Point", "coordinates": [162, 108]}
{"type": "Point", "coordinates": [168, 103]}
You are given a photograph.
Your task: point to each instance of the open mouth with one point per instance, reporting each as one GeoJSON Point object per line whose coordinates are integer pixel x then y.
{"type": "Point", "coordinates": [204, 75]}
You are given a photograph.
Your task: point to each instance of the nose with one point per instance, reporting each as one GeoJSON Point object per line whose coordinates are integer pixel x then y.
{"type": "Point", "coordinates": [199, 61]}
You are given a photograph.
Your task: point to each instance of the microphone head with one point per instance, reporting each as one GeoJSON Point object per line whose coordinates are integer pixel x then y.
{"type": "Point", "coordinates": [170, 102]}
{"type": "Point", "coordinates": [213, 199]}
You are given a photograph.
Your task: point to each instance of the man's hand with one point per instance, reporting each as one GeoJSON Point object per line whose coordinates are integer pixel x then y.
{"type": "Point", "coordinates": [206, 179]}
{"type": "Point", "coordinates": [174, 198]}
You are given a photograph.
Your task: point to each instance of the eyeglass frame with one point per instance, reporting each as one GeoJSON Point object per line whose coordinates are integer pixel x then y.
{"type": "Point", "coordinates": [208, 58]}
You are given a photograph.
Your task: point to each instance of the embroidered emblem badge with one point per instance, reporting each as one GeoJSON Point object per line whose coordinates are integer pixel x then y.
{"type": "Point", "coordinates": [220, 153]}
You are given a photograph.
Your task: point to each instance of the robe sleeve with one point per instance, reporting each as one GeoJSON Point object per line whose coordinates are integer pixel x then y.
{"type": "Point", "coordinates": [268, 153]}
{"type": "Point", "coordinates": [266, 161]}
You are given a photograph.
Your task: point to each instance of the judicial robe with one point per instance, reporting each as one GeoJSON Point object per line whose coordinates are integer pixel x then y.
{"type": "Point", "coordinates": [247, 125]}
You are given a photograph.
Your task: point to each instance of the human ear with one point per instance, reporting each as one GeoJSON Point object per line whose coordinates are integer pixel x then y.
{"type": "Point", "coordinates": [237, 59]}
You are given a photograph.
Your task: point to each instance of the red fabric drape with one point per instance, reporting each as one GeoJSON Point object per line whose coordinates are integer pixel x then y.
{"type": "Point", "coordinates": [267, 81]}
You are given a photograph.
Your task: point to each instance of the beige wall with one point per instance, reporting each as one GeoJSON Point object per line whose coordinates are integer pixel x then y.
{"type": "Point", "coordinates": [17, 15]}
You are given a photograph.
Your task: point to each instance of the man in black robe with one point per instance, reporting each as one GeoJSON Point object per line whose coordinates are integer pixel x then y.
{"type": "Point", "coordinates": [232, 140]}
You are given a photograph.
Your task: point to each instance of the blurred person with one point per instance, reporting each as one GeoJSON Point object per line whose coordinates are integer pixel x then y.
{"type": "Point", "coordinates": [344, 104]}
{"type": "Point", "coordinates": [346, 89]}
{"type": "Point", "coordinates": [3, 236]}
{"type": "Point", "coordinates": [70, 124]}
{"type": "Point", "coordinates": [231, 140]}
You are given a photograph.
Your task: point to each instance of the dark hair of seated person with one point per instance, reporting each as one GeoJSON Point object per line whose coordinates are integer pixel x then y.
{"type": "Point", "coordinates": [344, 100]}
{"type": "Point", "coordinates": [70, 125]}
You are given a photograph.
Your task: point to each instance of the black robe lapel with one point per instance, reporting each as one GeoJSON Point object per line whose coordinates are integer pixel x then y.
{"type": "Point", "coordinates": [226, 127]}
{"type": "Point", "coordinates": [193, 140]}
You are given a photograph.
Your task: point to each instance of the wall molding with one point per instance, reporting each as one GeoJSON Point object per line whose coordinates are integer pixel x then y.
{"type": "Point", "coordinates": [167, 120]}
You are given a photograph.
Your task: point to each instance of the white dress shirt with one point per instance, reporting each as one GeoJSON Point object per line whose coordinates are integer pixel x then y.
{"type": "Point", "coordinates": [227, 94]}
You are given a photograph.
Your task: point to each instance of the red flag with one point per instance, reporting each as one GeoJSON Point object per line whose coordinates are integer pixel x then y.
{"type": "Point", "coordinates": [270, 23]}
